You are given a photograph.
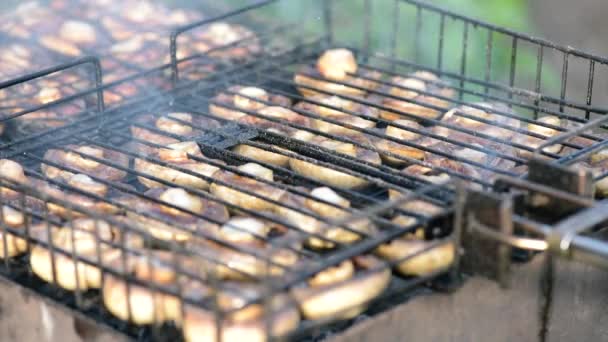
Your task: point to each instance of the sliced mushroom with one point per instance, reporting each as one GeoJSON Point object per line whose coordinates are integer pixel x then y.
{"type": "Point", "coordinates": [232, 191]}
{"type": "Point", "coordinates": [329, 175]}
{"type": "Point", "coordinates": [408, 89]}
{"type": "Point", "coordinates": [337, 209]}
{"type": "Point", "coordinates": [333, 70]}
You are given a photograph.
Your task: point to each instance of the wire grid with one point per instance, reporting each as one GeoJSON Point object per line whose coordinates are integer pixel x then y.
{"type": "Point", "coordinates": [275, 75]}
{"type": "Point", "coordinates": [523, 103]}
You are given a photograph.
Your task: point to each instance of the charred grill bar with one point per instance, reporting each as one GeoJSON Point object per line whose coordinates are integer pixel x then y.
{"type": "Point", "coordinates": [131, 204]}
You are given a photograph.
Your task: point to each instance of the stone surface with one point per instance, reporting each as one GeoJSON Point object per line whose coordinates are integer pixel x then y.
{"type": "Point", "coordinates": [479, 311]}
{"type": "Point", "coordinates": [25, 317]}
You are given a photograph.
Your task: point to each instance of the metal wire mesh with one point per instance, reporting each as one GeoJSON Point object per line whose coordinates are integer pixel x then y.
{"type": "Point", "coordinates": [162, 266]}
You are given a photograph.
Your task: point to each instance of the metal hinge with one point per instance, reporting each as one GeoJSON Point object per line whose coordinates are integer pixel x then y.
{"type": "Point", "coordinates": [548, 211]}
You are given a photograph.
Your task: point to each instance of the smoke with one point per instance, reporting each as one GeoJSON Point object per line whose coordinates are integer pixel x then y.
{"type": "Point", "coordinates": [128, 37]}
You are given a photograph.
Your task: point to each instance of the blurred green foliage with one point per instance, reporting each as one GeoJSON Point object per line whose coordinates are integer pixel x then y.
{"type": "Point", "coordinates": [349, 21]}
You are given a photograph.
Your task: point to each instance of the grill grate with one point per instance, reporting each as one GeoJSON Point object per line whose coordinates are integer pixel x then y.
{"type": "Point", "coordinates": [111, 131]}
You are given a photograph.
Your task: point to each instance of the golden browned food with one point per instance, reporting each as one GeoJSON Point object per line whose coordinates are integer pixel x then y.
{"type": "Point", "coordinates": [274, 112]}
{"type": "Point", "coordinates": [337, 209]}
{"type": "Point", "coordinates": [15, 186]}
{"type": "Point", "coordinates": [178, 155]}
{"type": "Point", "coordinates": [90, 187]}
{"type": "Point", "coordinates": [213, 214]}
{"type": "Point", "coordinates": [434, 172]}
{"type": "Point", "coordinates": [60, 45]}
{"type": "Point", "coordinates": [78, 32]}
{"type": "Point", "coordinates": [44, 119]}
{"type": "Point", "coordinates": [333, 69]}
{"type": "Point", "coordinates": [143, 304]}
{"type": "Point", "coordinates": [231, 192]}
{"type": "Point", "coordinates": [80, 238]}
{"type": "Point", "coordinates": [244, 98]}
{"type": "Point", "coordinates": [12, 245]}
{"type": "Point", "coordinates": [398, 148]}
{"type": "Point", "coordinates": [402, 249]}
{"type": "Point", "coordinates": [246, 237]}
{"type": "Point", "coordinates": [542, 130]}
{"type": "Point", "coordinates": [329, 175]}
{"type": "Point", "coordinates": [483, 118]}
{"type": "Point", "coordinates": [253, 322]}
{"type": "Point", "coordinates": [78, 161]}
{"type": "Point", "coordinates": [340, 114]}
{"type": "Point", "coordinates": [226, 41]}
{"type": "Point", "coordinates": [343, 291]}
{"type": "Point", "coordinates": [410, 88]}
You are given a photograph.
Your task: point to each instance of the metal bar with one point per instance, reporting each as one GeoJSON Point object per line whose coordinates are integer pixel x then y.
{"type": "Point", "coordinates": [512, 69]}
{"type": "Point", "coordinates": [539, 71]}
{"type": "Point", "coordinates": [441, 123]}
{"type": "Point", "coordinates": [417, 37]}
{"type": "Point", "coordinates": [395, 30]}
{"type": "Point", "coordinates": [441, 37]}
{"type": "Point", "coordinates": [520, 104]}
{"type": "Point", "coordinates": [564, 80]}
{"type": "Point", "coordinates": [494, 85]}
{"type": "Point", "coordinates": [328, 20]}
{"type": "Point", "coordinates": [367, 24]}
{"type": "Point", "coordinates": [175, 34]}
{"type": "Point", "coordinates": [488, 70]}
{"type": "Point", "coordinates": [573, 132]}
{"type": "Point", "coordinates": [538, 41]}
{"type": "Point", "coordinates": [463, 58]}
{"type": "Point", "coordinates": [590, 87]}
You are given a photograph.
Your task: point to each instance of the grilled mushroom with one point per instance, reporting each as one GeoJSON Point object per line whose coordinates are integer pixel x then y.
{"type": "Point", "coordinates": [543, 130]}
{"type": "Point", "coordinates": [407, 89]}
{"type": "Point", "coordinates": [117, 29]}
{"type": "Point", "coordinates": [283, 114]}
{"type": "Point", "coordinates": [598, 165]}
{"type": "Point", "coordinates": [176, 155]}
{"type": "Point", "coordinates": [213, 213]}
{"type": "Point", "coordinates": [78, 32]}
{"type": "Point", "coordinates": [84, 238]}
{"type": "Point", "coordinates": [12, 245]}
{"type": "Point", "coordinates": [232, 194]}
{"type": "Point", "coordinates": [343, 291]}
{"type": "Point", "coordinates": [13, 172]}
{"type": "Point", "coordinates": [424, 263]}
{"type": "Point", "coordinates": [331, 176]}
{"type": "Point", "coordinates": [309, 223]}
{"type": "Point", "coordinates": [247, 237]}
{"type": "Point", "coordinates": [165, 127]}
{"type": "Point", "coordinates": [479, 120]}
{"type": "Point", "coordinates": [85, 184]}
{"type": "Point", "coordinates": [433, 174]}
{"type": "Point", "coordinates": [339, 114]}
{"type": "Point", "coordinates": [246, 322]}
{"type": "Point", "coordinates": [78, 161]}
{"type": "Point", "coordinates": [243, 98]}
{"type": "Point", "coordinates": [226, 41]}
{"type": "Point", "coordinates": [401, 249]}
{"type": "Point", "coordinates": [60, 45]}
{"type": "Point", "coordinates": [333, 70]}
{"type": "Point", "coordinates": [402, 150]}
{"type": "Point", "coordinates": [143, 304]}
{"type": "Point", "coordinates": [44, 119]}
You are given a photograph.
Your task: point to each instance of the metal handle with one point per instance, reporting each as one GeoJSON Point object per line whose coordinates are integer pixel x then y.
{"type": "Point", "coordinates": [513, 241]}
{"type": "Point", "coordinates": [562, 240]}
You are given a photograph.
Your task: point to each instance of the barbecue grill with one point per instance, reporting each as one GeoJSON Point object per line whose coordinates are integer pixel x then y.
{"type": "Point", "coordinates": [489, 214]}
